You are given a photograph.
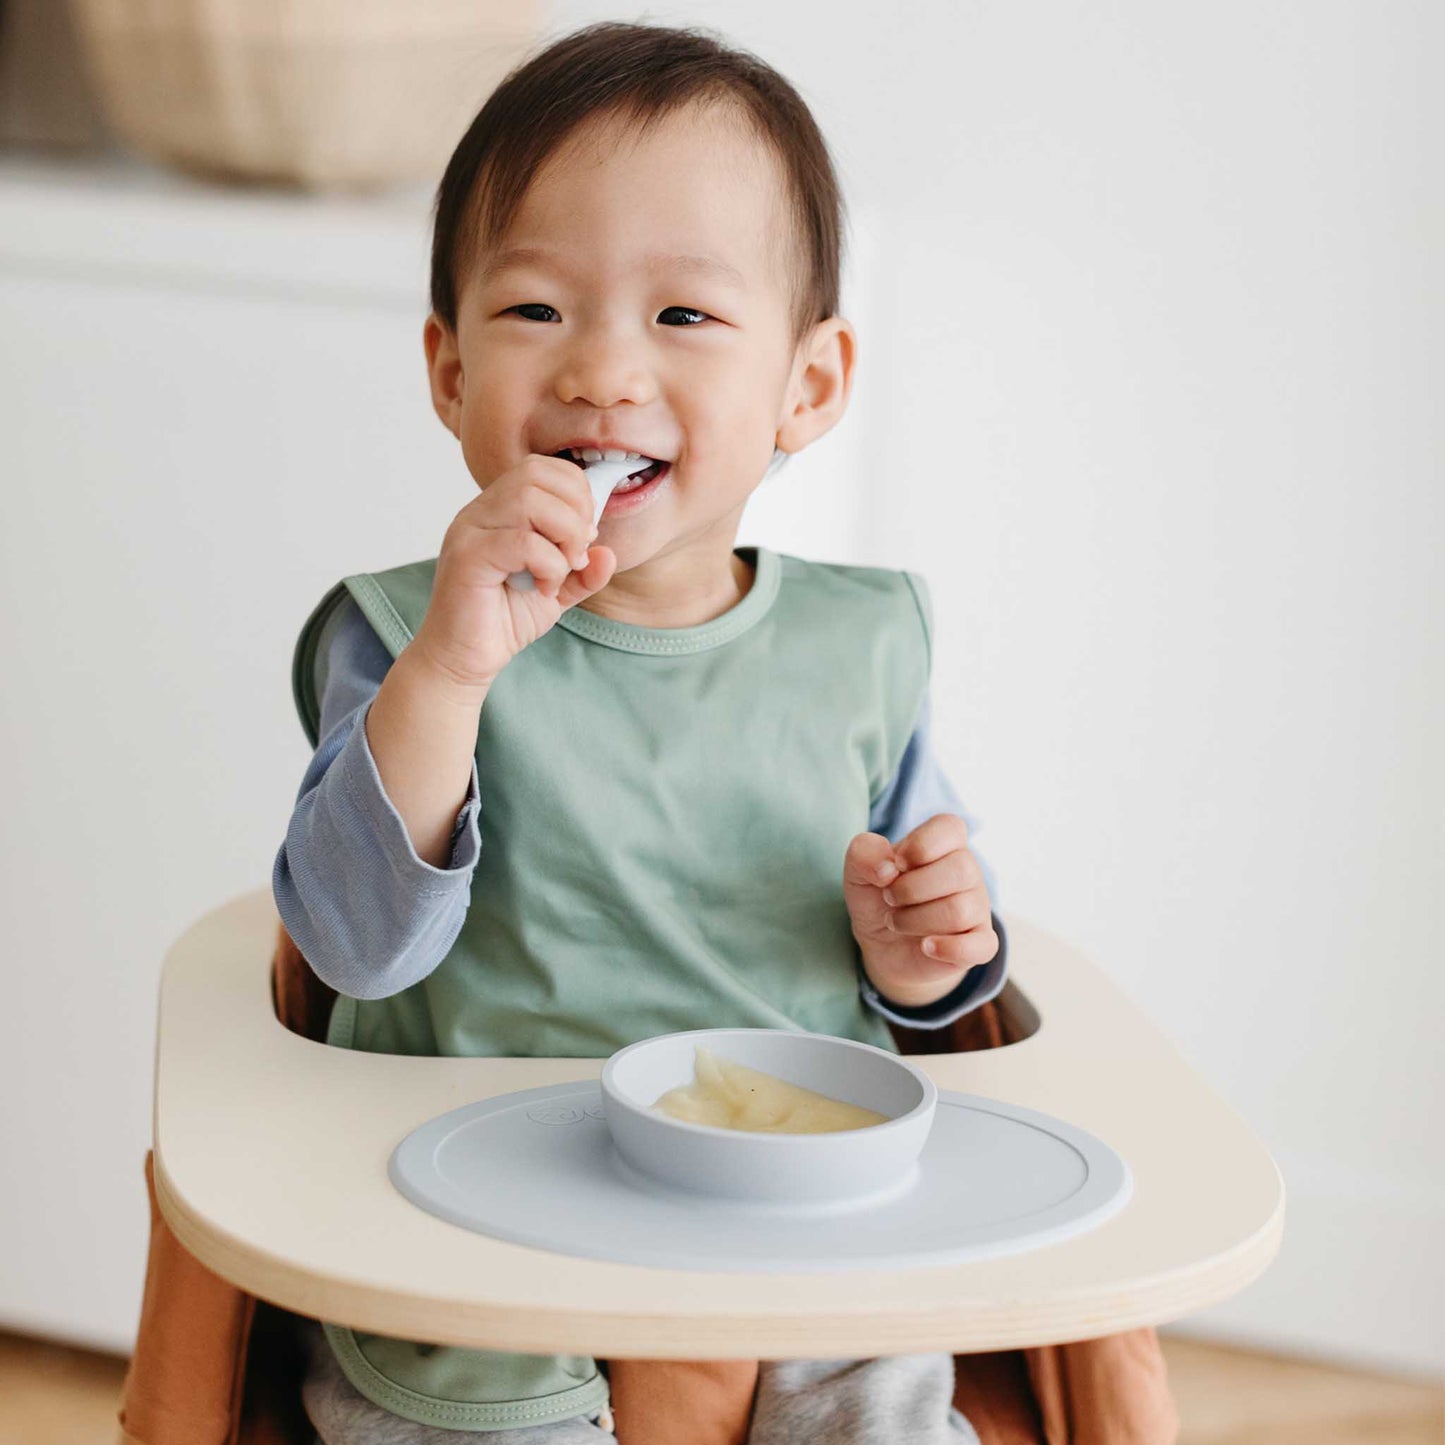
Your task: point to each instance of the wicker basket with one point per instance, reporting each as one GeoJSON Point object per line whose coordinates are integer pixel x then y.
{"type": "Point", "coordinates": [329, 94]}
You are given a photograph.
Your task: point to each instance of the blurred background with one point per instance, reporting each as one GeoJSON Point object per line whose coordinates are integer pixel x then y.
{"type": "Point", "coordinates": [1149, 301]}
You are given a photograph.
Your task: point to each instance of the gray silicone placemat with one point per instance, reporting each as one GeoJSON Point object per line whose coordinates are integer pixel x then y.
{"type": "Point", "coordinates": [537, 1167]}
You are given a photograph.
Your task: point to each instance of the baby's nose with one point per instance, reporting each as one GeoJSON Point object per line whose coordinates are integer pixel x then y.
{"type": "Point", "coordinates": [605, 372]}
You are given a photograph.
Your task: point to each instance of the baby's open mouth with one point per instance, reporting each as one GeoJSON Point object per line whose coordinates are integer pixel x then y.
{"type": "Point", "coordinates": [648, 467]}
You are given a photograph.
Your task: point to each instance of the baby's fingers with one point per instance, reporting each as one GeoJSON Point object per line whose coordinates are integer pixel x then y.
{"type": "Point", "coordinates": [533, 553]}
{"type": "Point", "coordinates": [957, 913]}
{"type": "Point", "coordinates": [533, 508]}
{"type": "Point", "coordinates": [583, 582]}
{"type": "Point", "coordinates": [955, 872]}
{"type": "Point", "coordinates": [963, 950]}
{"type": "Point", "coordinates": [942, 834]}
{"type": "Point", "coordinates": [869, 861]}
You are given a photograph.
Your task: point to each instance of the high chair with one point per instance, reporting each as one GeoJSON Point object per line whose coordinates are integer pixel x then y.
{"type": "Point", "coordinates": [265, 1139]}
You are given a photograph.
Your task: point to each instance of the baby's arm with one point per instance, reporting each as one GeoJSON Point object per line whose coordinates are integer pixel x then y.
{"type": "Point", "coordinates": [369, 882]}
{"type": "Point", "coordinates": [918, 791]}
{"type": "Point", "coordinates": [422, 726]}
{"type": "Point", "coordinates": [369, 914]}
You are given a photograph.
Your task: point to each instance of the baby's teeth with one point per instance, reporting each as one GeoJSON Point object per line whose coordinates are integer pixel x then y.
{"type": "Point", "coordinates": [612, 454]}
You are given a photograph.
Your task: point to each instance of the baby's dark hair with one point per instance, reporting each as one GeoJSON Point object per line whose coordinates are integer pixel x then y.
{"type": "Point", "coordinates": [642, 73]}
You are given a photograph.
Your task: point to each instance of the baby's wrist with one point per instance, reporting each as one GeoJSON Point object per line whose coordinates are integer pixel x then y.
{"type": "Point", "coordinates": [442, 683]}
{"type": "Point", "coordinates": [917, 993]}
{"type": "Point", "coordinates": [909, 999]}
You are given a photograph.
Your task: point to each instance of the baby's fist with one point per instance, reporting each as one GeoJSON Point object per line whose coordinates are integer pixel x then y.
{"type": "Point", "coordinates": [920, 910]}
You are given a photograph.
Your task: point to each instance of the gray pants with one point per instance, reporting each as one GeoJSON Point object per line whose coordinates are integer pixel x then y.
{"type": "Point", "coordinates": [895, 1400]}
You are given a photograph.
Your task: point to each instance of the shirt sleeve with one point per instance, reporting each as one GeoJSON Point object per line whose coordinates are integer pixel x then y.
{"type": "Point", "coordinates": [917, 791]}
{"type": "Point", "coordinates": [369, 915]}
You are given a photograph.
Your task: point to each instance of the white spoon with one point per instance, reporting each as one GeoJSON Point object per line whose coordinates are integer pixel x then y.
{"type": "Point", "coordinates": [602, 477]}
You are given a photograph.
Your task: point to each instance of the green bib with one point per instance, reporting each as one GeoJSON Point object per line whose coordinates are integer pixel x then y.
{"type": "Point", "coordinates": [664, 814]}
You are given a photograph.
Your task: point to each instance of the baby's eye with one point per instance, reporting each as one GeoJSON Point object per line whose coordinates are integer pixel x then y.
{"type": "Point", "coordinates": [532, 306]}
{"type": "Point", "coordinates": [686, 311]}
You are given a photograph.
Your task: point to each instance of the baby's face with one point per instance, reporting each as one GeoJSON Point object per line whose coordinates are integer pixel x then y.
{"type": "Point", "coordinates": [601, 334]}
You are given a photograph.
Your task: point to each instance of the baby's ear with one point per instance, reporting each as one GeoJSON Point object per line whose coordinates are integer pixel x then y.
{"type": "Point", "coordinates": [820, 385]}
{"type": "Point", "coordinates": [444, 372]}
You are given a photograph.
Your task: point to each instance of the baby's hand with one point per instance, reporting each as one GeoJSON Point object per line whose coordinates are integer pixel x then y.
{"type": "Point", "coordinates": [920, 910]}
{"type": "Point", "coordinates": [535, 518]}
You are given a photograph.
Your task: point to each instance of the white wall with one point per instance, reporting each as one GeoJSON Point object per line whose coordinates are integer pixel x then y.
{"type": "Point", "coordinates": [1146, 338]}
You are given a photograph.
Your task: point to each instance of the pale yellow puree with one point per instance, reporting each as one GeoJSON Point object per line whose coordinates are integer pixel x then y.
{"type": "Point", "coordinates": [730, 1095]}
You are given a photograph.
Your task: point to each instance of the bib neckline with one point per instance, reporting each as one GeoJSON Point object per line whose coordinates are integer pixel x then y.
{"type": "Point", "coordinates": [676, 641]}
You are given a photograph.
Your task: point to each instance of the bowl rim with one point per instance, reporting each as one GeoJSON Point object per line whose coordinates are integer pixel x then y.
{"type": "Point", "coordinates": [760, 1137]}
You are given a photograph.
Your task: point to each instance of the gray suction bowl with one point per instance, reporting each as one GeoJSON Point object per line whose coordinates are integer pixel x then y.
{"type": "Point", "coordinates": [849, 1166]}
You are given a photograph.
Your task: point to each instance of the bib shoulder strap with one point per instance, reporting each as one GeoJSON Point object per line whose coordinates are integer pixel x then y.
{"type": "Point", "coordinates": [393, 602]}
{"type": "Point", "coordinates": [877, 623]}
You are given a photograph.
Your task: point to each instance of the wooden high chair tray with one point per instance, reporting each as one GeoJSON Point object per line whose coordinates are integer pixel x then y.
{"type": "Point", "coordinates": [271, 1156]}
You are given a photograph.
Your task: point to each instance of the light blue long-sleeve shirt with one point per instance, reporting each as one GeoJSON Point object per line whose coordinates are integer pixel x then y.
{"type": "Point", "coordinates": [372, 918]}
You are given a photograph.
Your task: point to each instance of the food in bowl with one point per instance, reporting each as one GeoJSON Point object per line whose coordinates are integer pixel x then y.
{"type": "Point", "coordinates": [729, 1095]}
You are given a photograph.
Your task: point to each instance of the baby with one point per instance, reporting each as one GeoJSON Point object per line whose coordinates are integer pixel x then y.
{"type": "Point", "coordinates": [679, 783]}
